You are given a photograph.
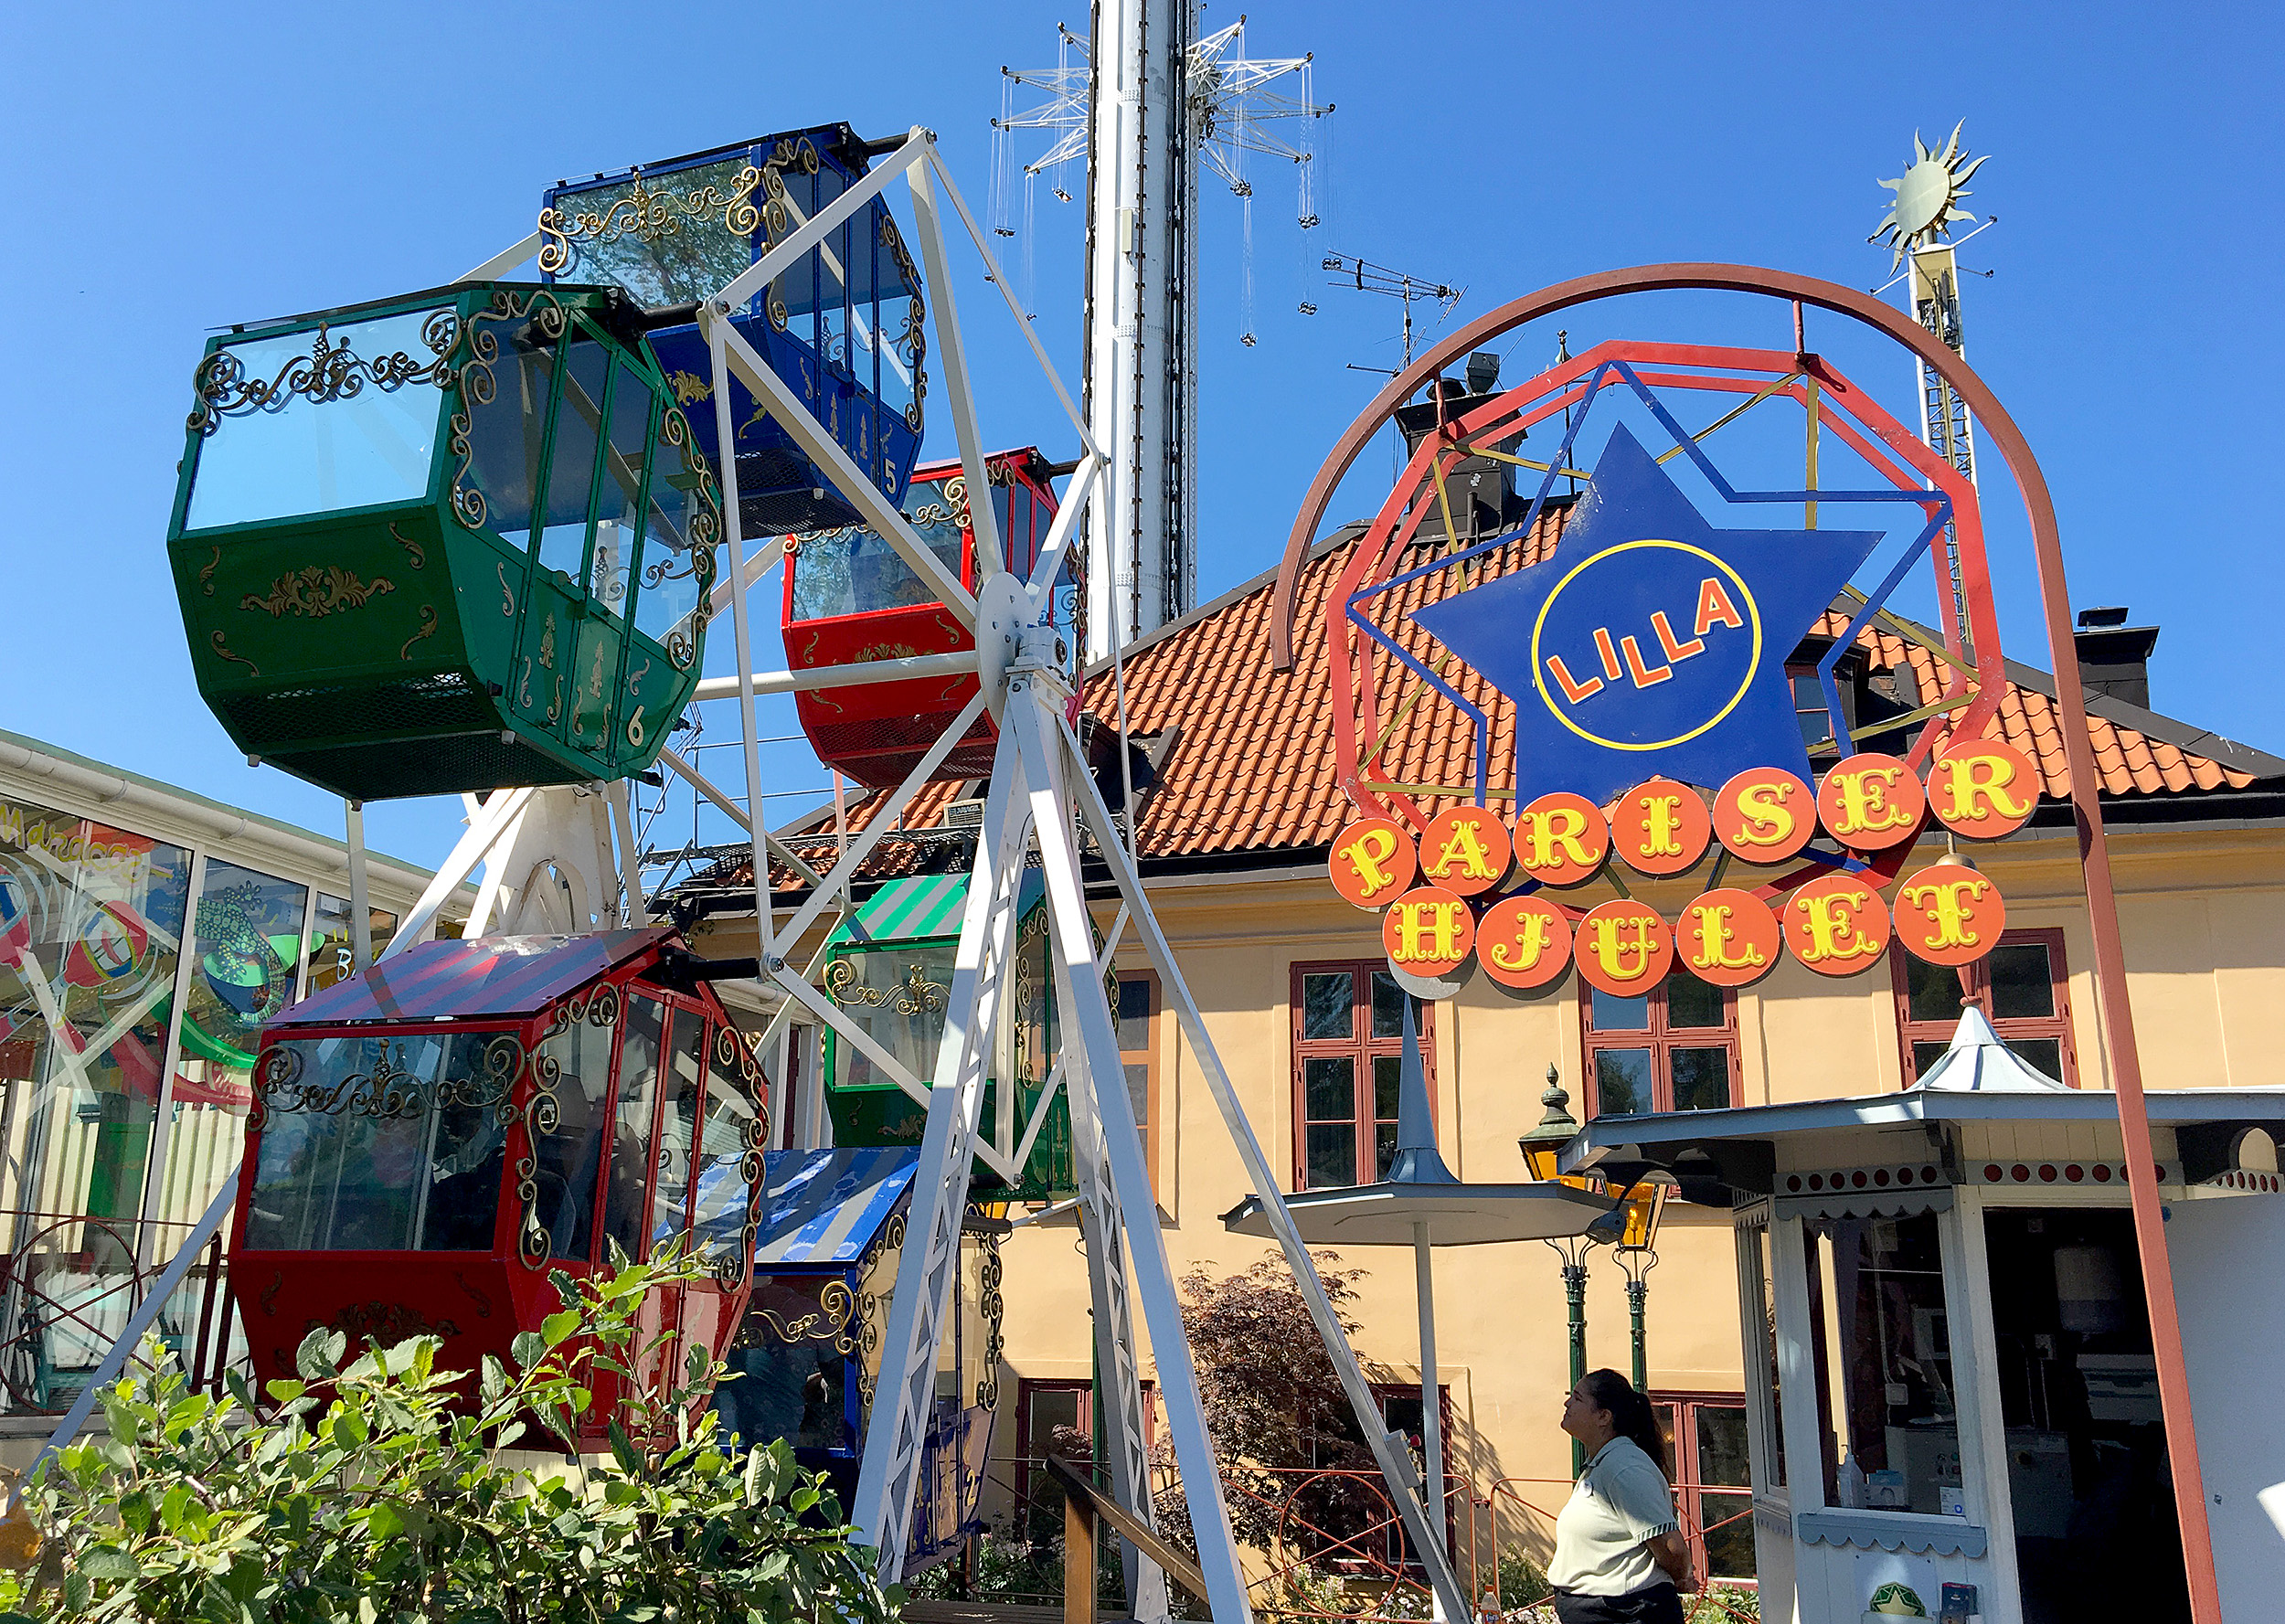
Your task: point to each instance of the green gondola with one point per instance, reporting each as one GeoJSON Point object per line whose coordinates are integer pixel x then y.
{"type": "Point", "coordinates": [452, 541]}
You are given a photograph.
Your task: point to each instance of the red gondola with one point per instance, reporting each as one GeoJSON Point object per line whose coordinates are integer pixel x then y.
{"type": "Point", "coordinates": [850, 599]}
{"type": "Point", "coordinates": [430, 1139]}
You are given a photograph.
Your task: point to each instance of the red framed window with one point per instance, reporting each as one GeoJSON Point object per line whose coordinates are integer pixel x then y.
{"type": "Point", "coordinates": [1672, 1048]}
{"type": "Point", "coordinates": [2023, 987]}
{"type": "Point", "coordinates": [1348, 1052]}
{"type": "Point", "coordinates": [1706, 1445]}
{"type": "Point", "coordinates": [1052, 1418]}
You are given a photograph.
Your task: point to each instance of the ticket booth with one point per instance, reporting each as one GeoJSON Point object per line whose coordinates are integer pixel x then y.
{"type": "Point", "coordinates": [1954, 1405]}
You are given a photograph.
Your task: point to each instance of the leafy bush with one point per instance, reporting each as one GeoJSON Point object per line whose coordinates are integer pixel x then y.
{"type": "Point", "coordinates": [363, 1493]}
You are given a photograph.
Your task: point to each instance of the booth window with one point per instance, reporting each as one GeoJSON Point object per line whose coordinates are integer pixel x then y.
{"type": "Point", "coordinates": [2023, 988]}
{"type": "Point", "coordinates": [1706, 1445]}
{"type": "Point", "coordinates": [1348, 1053]}
{"type": "Point", "coordinates": [1761, 1345]}
{"type": "Point", "coordinates": [1674, 1048]}
{"type": "Point", "coordinates": [1138, 1053]}
{"type": "Point", "coordinates": [1887, 1428]}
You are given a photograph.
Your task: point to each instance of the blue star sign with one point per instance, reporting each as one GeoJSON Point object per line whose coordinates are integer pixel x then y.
{"type": "Point", "coordinates": [1650, 643]}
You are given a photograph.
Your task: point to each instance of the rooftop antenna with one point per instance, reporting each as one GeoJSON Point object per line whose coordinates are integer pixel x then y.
{"type": "Point", "coordinates": [1146, 118]}
{"type": "Point", "coordinates": [1917, 228]}
{"type": "Point", "coordinates": [1369, 277]}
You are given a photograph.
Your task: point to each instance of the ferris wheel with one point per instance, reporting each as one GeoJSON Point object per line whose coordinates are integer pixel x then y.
{"type": "Point", "coordinates": [472, 541]}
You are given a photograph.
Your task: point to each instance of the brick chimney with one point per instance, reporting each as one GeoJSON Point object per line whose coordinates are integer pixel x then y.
{"type": "Point", "coordinates": [2114, 657]}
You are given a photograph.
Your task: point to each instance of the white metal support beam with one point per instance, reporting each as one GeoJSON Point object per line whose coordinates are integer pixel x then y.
{"type": "Point", "coordinates": [910, 668]}
{"type": "Point", "coordinates": [733, 519]}
{"type": "Point", "coordinates": [494, 820]}
{"type": "Point", "coordinates": [1029, 721]}
{"type": "Point", "coordinates": [952, 359]}
{"type": "Point", "coordinates": [905, 1391]}
{"type": "Point", "coordinates": [1389, 1449]}
{"type": "Point", "coordinates": [854, 484]}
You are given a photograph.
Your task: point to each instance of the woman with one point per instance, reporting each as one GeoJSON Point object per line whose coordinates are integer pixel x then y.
{"type": "Point", "coordinates": [1619, 1557]}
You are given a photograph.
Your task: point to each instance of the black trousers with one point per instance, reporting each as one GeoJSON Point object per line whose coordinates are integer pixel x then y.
{"type": "Point", "coordinates": [1661, 1603]}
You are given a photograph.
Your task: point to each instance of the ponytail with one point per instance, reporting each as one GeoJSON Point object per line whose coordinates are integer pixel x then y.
{"type": "Point", "coordinates": [1632, 1414]}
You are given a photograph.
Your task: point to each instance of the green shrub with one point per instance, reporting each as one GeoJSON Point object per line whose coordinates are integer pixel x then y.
{"type": "Point", "coordinates": [360, 1494]}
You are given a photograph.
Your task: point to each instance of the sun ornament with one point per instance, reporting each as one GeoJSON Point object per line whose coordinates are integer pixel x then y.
{"type": "Point", "coordinates": [1928, 196]}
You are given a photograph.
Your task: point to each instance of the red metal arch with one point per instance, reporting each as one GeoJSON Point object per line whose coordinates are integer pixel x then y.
{"type": "Point", "coordinates": [2000, 430]}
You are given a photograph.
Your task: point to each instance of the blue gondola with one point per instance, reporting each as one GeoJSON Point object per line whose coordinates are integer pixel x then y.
{"type": "Point", "coordinates": [843, 326]}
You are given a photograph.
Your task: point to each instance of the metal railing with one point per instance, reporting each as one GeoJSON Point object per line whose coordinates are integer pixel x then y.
{"type": "Point", "coordinates": [68, 1287]}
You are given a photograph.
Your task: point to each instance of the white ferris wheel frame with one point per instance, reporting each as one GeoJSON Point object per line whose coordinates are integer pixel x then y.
{"type": "Point", "coordinates": [1041, 792]}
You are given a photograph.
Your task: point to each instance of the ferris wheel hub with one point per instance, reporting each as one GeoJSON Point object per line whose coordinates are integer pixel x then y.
{"type": "Point", "coordinates": [1003, 608]}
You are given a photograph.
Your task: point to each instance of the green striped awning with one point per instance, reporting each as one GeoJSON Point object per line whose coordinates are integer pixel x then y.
{"type": "Point", "coordinates": [924, 905]}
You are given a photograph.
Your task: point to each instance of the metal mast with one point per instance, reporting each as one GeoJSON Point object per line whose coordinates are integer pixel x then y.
{"type": "Point", "coordinates": [1158, 104]}
{"type": "Point", "coordinates": [1928, 194]}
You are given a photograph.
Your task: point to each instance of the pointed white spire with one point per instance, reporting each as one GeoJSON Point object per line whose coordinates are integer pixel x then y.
{"type": "Point", "coordinates": [1979, 1063]}
{"type": "Point", "coordinates": [1416, 1161]}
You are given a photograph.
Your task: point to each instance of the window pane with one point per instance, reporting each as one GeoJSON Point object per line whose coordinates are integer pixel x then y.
{"type": "Point", "coordinates": [313, 450]}
{"type": "Point", "coordinates": [571, 1157]}
{"type": "Point", "coordinates": [1701, 1078]}
{"type": "Point", "coordinates": [1384, 1149]}
{"type": "Point", "coordinates": [424, 1176]}
{"type": "Point", "coordinates": [2044, 1055]}
{"type": "Point", "coordinates": [1877, 1294]}
{"type": "Point", "coordinates": [622, 517]}
{"type": "Point", "coordinates": [1931, 991]}
{"type": "Point", "coordinates": [898, 996]}
{"type": "Point", "coordinates": [1134, 1015]}
{"type": "Point", "coordinates": [1925, 1055]}
{"type": "Point", "coordinates": [571, 467]}
{"type": "Point", "coordinates": [1139, 1091]}
{"type": "Point", "coordinates": [720, 1207]}
{"type": "Point", "coordinates": [1613, 1013]}
{"type": "Point", "coordinates": [1388, 1077]}
{"type": "Point", "coordinates": [791, 1381]}
{"type": "Point", "coordinates": [1728, 1522]}
{"type": "Point", "coordinates": [1693, 1004]}
{"type": "Point", "coordinates": [333, 943]}
{"type": "Point", "coordinates": [507, 432]}
{"type": "Point", "coordinates": [1722, 1445]}
{"type": "Point", "coordinates": [672, 267]}
{"type": "Point", "coordinates": [686, 1092]}
{"type": "Point", "coordinates": [2021, 984]}
{"type": "Point", "coordinates": [1329, 1088]}
{"type": "Point", "coordinates": [630, 1141]}
{"type": "Point", "coordinates": [1622, 1081]}
{"type": "Point", "coordinates": [1325, 1006]}
{"type": "Point", "coordinates": [1389, 1007]}
{"type": "Point", "coordinates": [1331, 1155]}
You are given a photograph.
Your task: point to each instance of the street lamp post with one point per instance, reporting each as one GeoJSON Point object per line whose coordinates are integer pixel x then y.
{"type": "Point", "coordinates": [1541, 1147]}
{"type": "Point", "coordinates": [1638, 1255]}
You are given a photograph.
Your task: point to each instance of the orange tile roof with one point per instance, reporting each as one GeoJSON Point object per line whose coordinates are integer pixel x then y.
{"type": "Point", "coordinates": [1251, 769]}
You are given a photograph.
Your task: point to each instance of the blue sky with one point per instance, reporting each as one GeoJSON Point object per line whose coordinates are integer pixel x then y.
{"type": "Point", "coordinates": [180, 168]}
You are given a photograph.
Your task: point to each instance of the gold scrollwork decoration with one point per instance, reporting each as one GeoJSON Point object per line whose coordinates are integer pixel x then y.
{"type": "Point", "coordinates": [317, 590]}
{"type": "Point", "coordinates": [223, 649]}
{"type": "Point", "coordinates": [329, 372]}
{"type": "Point", "coordinates": [428, 628]}
{"type": "Point", "coordinates": [413, 550]}
{"type": "Point", "coordinates": [914, 995]}
{"type": "Point", "coordinates": [994, 1308]}
{"type": "Point", "coordinates": [688, 386]}
{"type": "Point", "coordinates": [478, 387]}
{"type": "Point", "coordinates": [206, 571]}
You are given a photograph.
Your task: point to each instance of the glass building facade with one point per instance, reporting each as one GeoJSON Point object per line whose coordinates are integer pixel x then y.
{"type": "Point", "coordinates": [136, 972]}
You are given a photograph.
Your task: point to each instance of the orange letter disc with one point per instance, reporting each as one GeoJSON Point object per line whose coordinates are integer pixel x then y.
{"type": "Point", "coordinates": [1429, 931]}
{"type": "Point", "coordinates": [1524, 942]}
{"type": "Point", "coordinates": [1727, 937]}
{"type": "Point", "coordinates": [1870, 802]}
{"type": "Point", "coordinates": [1949, 914]}
{"type": "Point", "coordinates": [1660, 827]}
{"type": "Point", "coordinates": [1372, 861]}
{"type": "Point", "coordinates": [1624, 949]}
{"type": "Point", "coordinates": [1561, 838]}
{"type": "Point", "coordinates": [1838, 925]}
{"type": "Point", "coordinates": [1465, 849]}
{"type": "Point", "coordinates": [1984, 789]}
{"type": "Point", "coordinates": [1765, 814]}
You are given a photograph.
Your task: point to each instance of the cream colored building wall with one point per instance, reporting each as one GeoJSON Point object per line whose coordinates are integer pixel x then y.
{"type": "Point", "coordinates": [2204, 939]}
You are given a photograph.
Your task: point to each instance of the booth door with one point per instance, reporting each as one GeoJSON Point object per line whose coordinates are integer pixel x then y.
{"type": "Point", "coordinates": [694, 1311]}
{"type": "Point", "coordinates": [701, 1189]}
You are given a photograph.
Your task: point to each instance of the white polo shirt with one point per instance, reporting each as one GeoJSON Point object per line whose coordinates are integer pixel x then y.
{"type": "Point", "coordinates": [1619, 1504]}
